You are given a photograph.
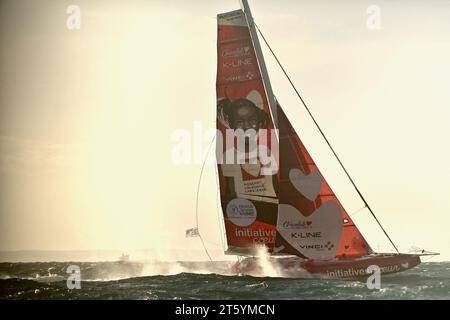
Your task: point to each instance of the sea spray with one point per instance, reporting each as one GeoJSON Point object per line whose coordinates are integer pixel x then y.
{"type": "Point", "coordinates": [166, 268]}
{"type": "Point", "coordinates": [269, 267]}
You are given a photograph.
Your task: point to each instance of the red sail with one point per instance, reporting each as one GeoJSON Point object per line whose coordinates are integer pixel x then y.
{"type": "Point", "coordinates": [248, 195]}
{"type": "Point", "coordinates": [312, 223]}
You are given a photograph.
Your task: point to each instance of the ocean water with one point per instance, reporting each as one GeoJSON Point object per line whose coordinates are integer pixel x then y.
{"type": "Point", "coordinates": [201, 280]}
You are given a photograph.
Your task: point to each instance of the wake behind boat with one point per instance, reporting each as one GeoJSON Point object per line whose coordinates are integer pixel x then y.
{"type": "Point", "coordinates": [337, 268]}
{"type": "Point", "coordinates": [272, 193]}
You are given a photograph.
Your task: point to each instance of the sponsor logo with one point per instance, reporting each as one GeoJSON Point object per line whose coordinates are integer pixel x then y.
{"type": "Point", "coordinates": [240, 77]}
{"type": "Point", "coordinates": [237, 63]}
{"type": "Point", "coordinates": [297, 225]}
{"type": "Point", "coordinates": [241, 212]}
{"type": "Point", "coordinates": [311, 246]}
{"type": "Point", "coordinates": [320, 247]}
{"type": "Point", "coordinates": [326, 223]}
{"type": "Point", "coordinates": [306, 235]}
{"type": "Point", "coordinates": [352, 272]}
{"type": "Point", "coordinates": [258, 235]}
{"type": "Point", "coordinates": [238, 52]}
{"type": "Point", "coordinates": [329, 245]}
{"type": "Point", "coordinates": [233, 18]}
{"type": "Point", "coordinates": [254, 233]}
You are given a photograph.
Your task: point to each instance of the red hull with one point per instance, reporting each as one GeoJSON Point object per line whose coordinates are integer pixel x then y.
{"type": "Point", "coordinates": [339, 268]}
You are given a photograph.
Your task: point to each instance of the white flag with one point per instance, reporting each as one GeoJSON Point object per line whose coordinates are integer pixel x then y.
{"type": "Point", "coordinates": [193, 232]}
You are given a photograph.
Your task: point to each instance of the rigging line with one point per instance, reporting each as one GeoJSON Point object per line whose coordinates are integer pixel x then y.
{"type": "Point", "coordinates": [325, 138]}
{"type": "Point", "coordinates": [219, 214]}
{"type": "Point", "coordinates": [428, 258]}
{"type": "Point", "coordinates": [198, 193]}
{"type": "Point", "coordinates": [357, 211]}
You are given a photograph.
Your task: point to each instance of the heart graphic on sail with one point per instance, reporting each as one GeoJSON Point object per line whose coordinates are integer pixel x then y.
{"type": "Point", "coordinates": [308, 185]}
{"type": "Point", "coordinates": [252, 169]}
{"type": "Point", "coordinates": [318, 240]}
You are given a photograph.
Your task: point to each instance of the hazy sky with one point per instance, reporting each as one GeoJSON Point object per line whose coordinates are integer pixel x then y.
{"type": "Point", "coordinates": [87, 116]}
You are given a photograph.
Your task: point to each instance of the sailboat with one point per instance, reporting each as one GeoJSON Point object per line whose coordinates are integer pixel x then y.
{"type": "Point", "coordinates": [276, 197]}
{"type": "Point", "coordinates": [124, 258]}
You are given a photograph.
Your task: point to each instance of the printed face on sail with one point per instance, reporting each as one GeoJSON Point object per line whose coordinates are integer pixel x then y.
{"type": "Point", "coordinates": [246, 117]}
{"type": "Point", "coordinates": [248, 137]}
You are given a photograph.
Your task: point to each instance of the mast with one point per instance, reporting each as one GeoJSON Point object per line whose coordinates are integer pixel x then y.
{"type": "Point", "coordinates": [261, 63]}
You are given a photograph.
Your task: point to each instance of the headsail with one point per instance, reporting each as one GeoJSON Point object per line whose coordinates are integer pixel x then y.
{"type": "Point", "coordinates": [248, 190]}
{"type": "Point", "coordinates": [312, 223]}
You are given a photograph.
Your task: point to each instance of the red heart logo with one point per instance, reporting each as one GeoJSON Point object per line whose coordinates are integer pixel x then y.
{"type": "Point", "coordinates": [308, 223]}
